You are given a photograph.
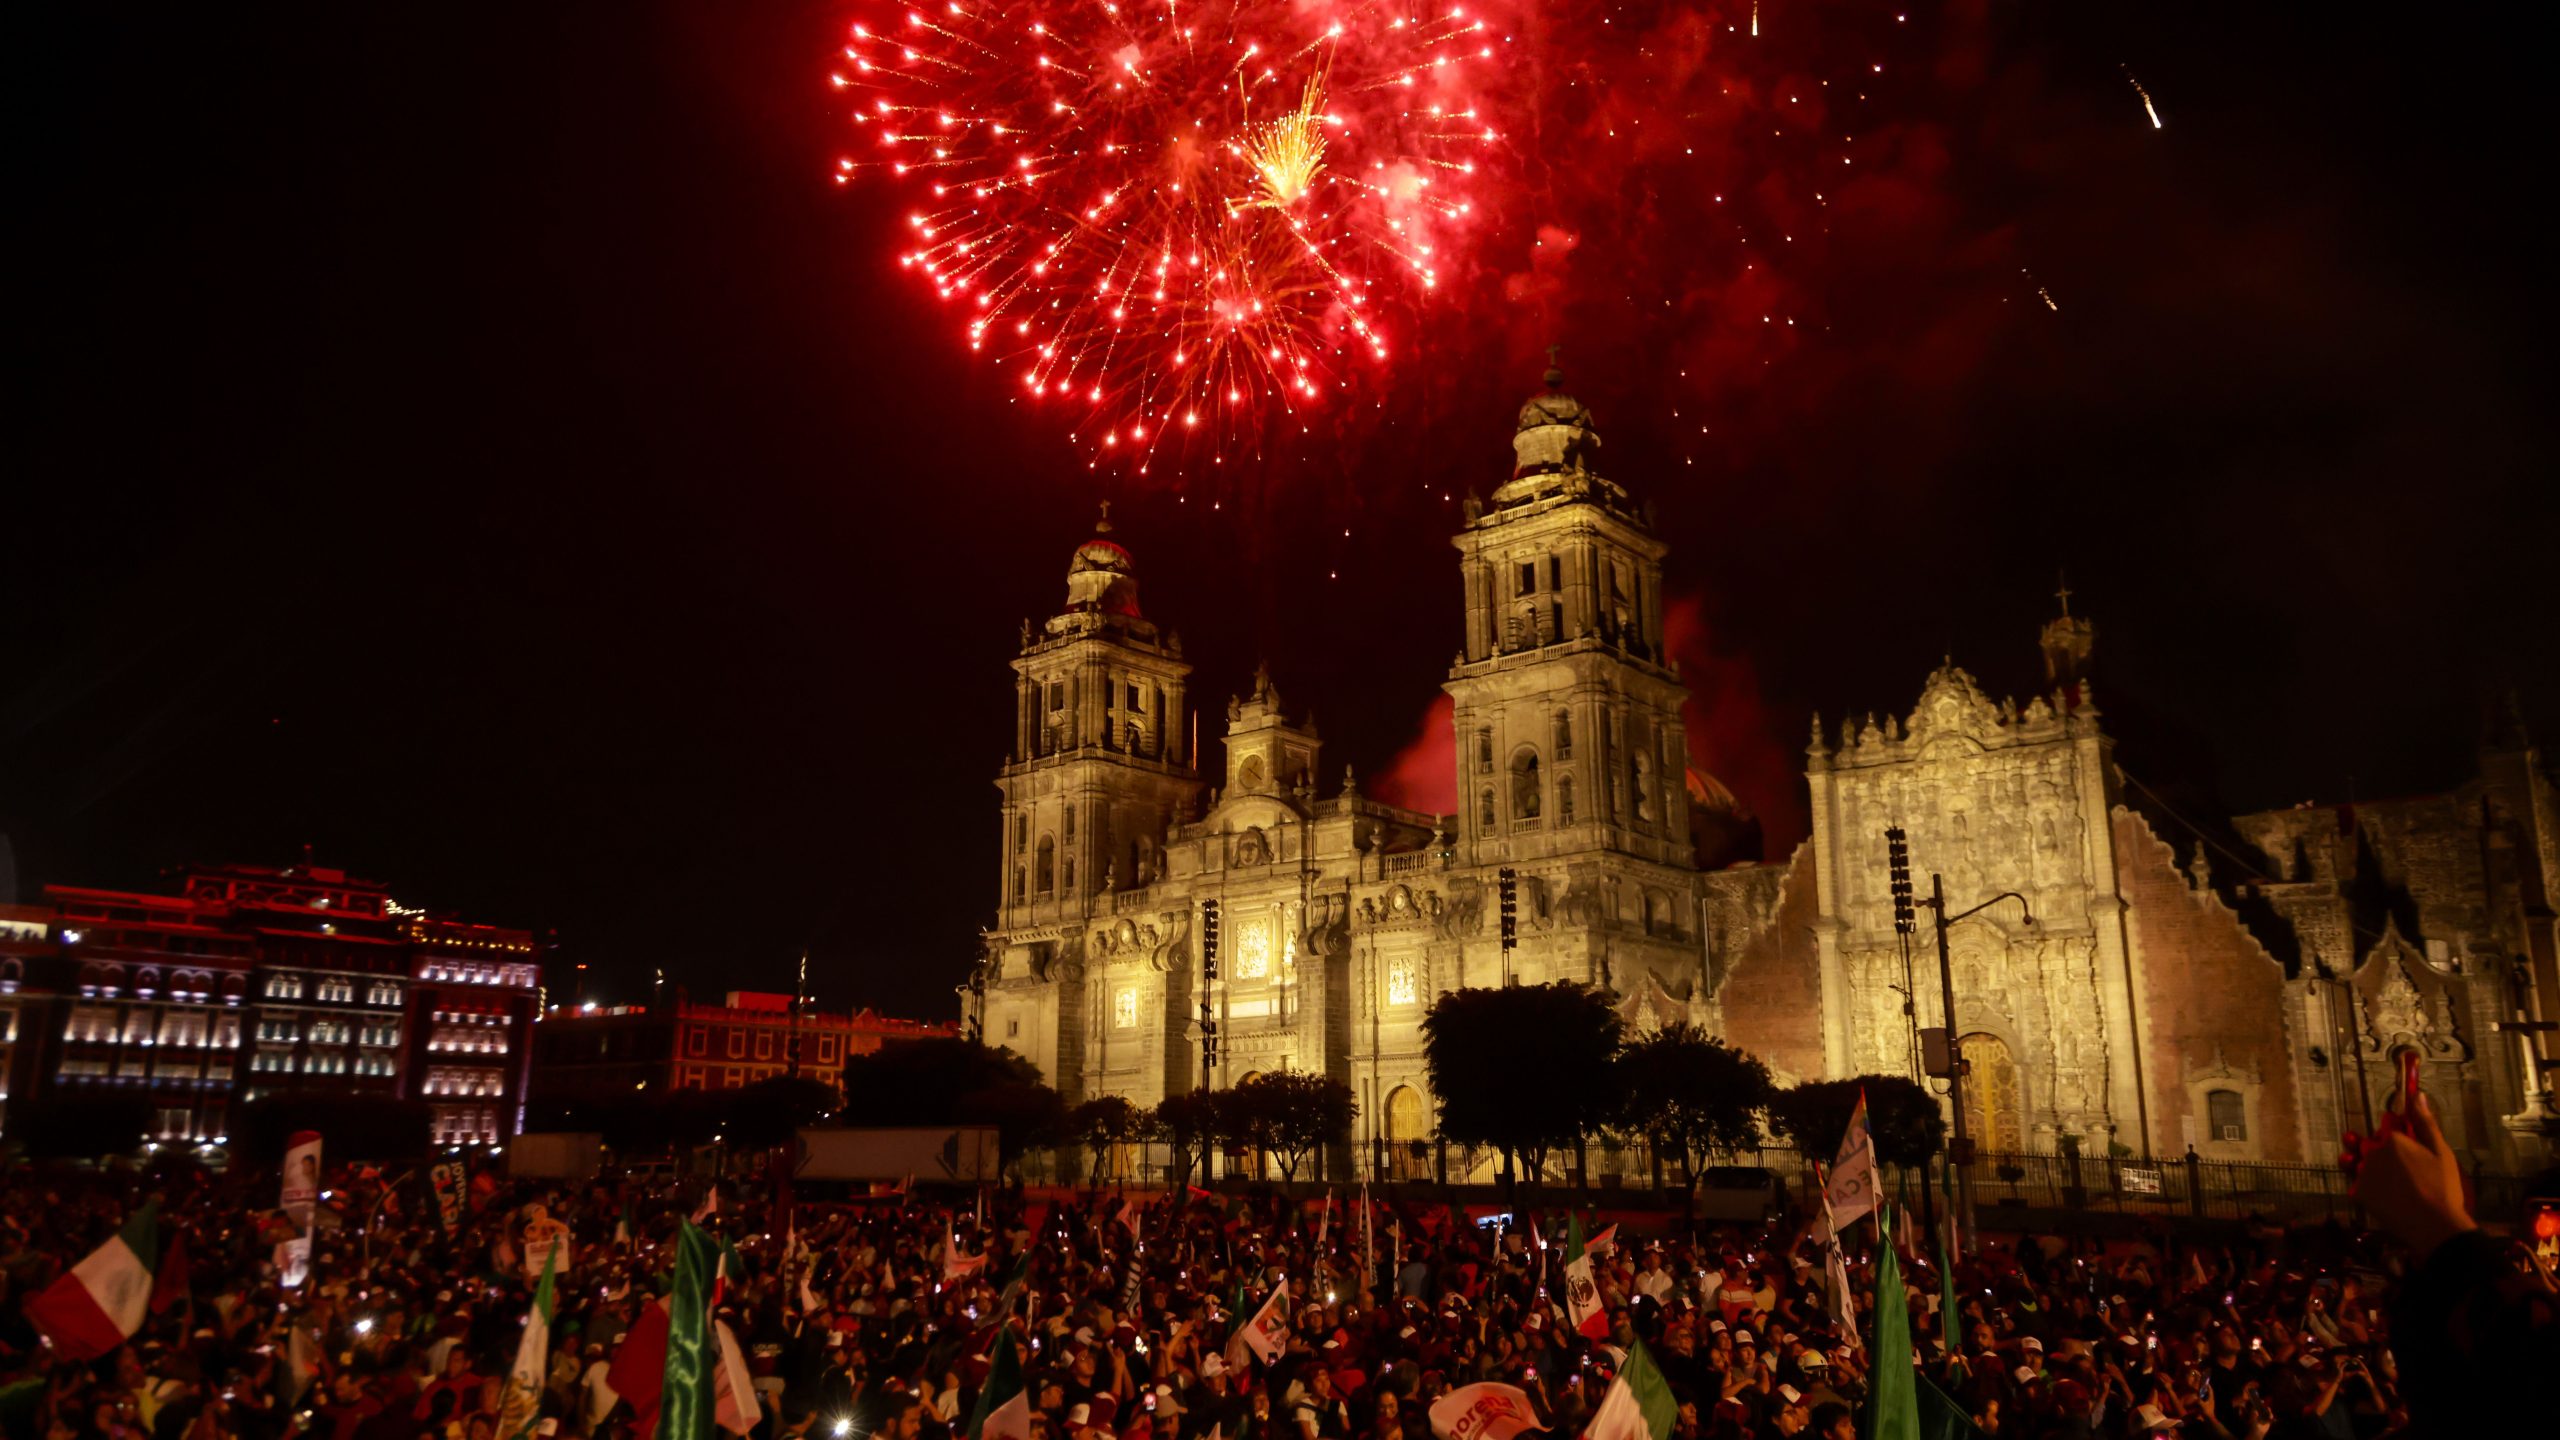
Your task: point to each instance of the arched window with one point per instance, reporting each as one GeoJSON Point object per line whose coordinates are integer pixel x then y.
{"type": "Point", "coordinates": [1564, 734]}
{"type": "Point", "coordinates": [1564, 799]}
{"type": "Point", "coordinates": [2227, 1114]}
{"type": "Point", "coordinates": [1045, 871]}
{"type": "Point", "coordinates": [1485, 815]}
{"type": "Point", "coordinates": [1528, 790]}
{"type": "Point", "coordinates": [1484, 752]}
{"type": "Point", "coordinates": [1021, 891]}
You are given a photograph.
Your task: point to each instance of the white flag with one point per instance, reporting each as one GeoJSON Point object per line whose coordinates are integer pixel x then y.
{"type": "Point", "coordinates": [955, 1264]}
{"type": "Point", "coordinates": [1851, 1191]}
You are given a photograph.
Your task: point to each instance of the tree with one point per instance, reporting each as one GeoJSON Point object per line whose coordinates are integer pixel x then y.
{"type": "Point", "coordinates": [771, 1111]}
{"type": "Point", "coordinates": [1523, 1068]}
{"type": "Point", "coordinates": [954, 1082]}
{"type": "Point", "coordinates": [1103, 1124]}
{"type": "Point", "coordinates": [1692, 1095]}
{"type": "Point", "coordinates": [1288, 1113]}
{"type": "Point", "coordinates": [1902, 1115]}
{"type": "Point", "coordinates": [352, 1127]}
{"type": "Point", "coordinates": [82, 1127]}
{"type": "Point", "coordinates": [1190, 1121]}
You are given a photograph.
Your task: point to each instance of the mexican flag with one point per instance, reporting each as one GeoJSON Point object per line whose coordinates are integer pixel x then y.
{"type": "Point", "coordinates": [1004, 1402]}
{"type": "Point", "coordinates": [1267, 1333]}
{"type": "Point", "coordinates": [520, 1405]}
{"type": "Point", "coordinates": [1639, 1405]}
{"type": "Point", "coordinates": [686, 1405]}
{"type": "Point", "coordinates": [1581, 1287]}
{"type": "Point", "coordinates": [1893, 1399]}
{"type": "Point", "coordinates": [99, 1305]}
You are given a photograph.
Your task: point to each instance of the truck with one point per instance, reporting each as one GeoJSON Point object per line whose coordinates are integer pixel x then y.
{"type": "Point", "coordinates": [941, 1154]}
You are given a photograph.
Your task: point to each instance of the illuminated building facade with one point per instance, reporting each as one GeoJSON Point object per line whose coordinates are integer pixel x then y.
{"type": "Point", "coordinates": [2241, 988]}
{"type": "Point", "coordinates": [254, 981]}
{"type": "Point", "coordinates": [599, 1053]}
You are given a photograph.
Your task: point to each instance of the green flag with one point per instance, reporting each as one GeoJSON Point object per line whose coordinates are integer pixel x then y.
{"type": "Point", "coordinates": [1003, 1411]}
{"type": "Point", "coordinates": [1942, 1418]}
{"type": "Point", "coordinates": [1893, 1398]}
{"type": "Point", "coordinates": [1950, 1323]}
{"type": "Point", "coordinates": [520, 1403]}
{"type": "Point", "coordinates": [1639, 1405]}
{"type": "Point", "coordinates": [686, 1402]}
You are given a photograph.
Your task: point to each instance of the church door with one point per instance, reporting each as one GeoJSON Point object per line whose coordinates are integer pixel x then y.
{"type": "Point", "coordinates": [1405, 1135]}
{"type": "Point", "coordinates": [1994, 1108]}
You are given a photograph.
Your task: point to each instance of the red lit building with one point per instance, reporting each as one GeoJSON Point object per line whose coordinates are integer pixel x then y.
{"type": "Point", "coordinates": [256, 980]}
{"type": "Point", "coordinates": [609, 1052]}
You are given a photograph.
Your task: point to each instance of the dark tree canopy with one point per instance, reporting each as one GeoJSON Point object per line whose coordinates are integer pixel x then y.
{"type": "Point", "coordinates": [1523, 1068]}
{"type": "Point", "coordinates": [1104, 1123]}
{"type": "Point", "coordinates": [82, 1127]}
{"type": "Point", "coordinates": [954, 1082]}
{"type": "Point", "coordinates": [1903, 1117]}
{"type": "Point", "coordinates": [1288, 1113]}
{"type": "Point", "coordinates": [1691, 1095]}
{"type": "Point", "coordinates": [771, 1111]}
{"type": "Point", "coordinates": [1191, 1121]}
{"type": "Point", "coordinates": [352, 1127]}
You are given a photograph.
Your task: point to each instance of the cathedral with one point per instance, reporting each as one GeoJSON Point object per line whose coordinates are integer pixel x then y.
{"type": "Point", "coordinates": [2242, 987]}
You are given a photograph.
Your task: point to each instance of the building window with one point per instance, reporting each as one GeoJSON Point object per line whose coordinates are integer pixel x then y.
{"type": "Point", "coordinates": [2227, 1114]}
{"type": "Point", "coordinates": [284, 987]}
{"type": "Point", "coordinates": [1555, 573]}
{"type": "Point", "coordinates": [737, 1045]}
{"type": "Point", "coordinates": [1400, 981]}
{"type": "Point", "coordinates": [764, 1047]}
{"type": "Point", "coordinates": [338, 992]}
{"type": "Point", "coordinates": [1484, 752]}
{"type": "Point", "coordinates": [1485, 817]}
{"type": "Point", "coordinates": [1124, 1009]}
{"type": "Point", "coordinates": [1528, 577]}
{"type": "Point", "coordinates": [1067, 826]}
{"type": "Point", "coordinates": [1564, 799]}
{"type": "Point", "coordinates": [1526, 787]}
{"type": "Point", "coordinates": [1021, 889]}
{"type": "Point", "coordinates": [1013, 1028]}
{"type": "Point", "coordinates": [1045, 869]}
{"type": "Point", "coordinates": [1564, 735]}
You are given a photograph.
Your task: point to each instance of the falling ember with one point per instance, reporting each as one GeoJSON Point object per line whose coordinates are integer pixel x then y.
{"type": "Point", "coordinates": [2147, 107]}
{"type": "Point", "coordinates": [2042, 293]}
{"type": "Point", "coordinates": [1210, 211]}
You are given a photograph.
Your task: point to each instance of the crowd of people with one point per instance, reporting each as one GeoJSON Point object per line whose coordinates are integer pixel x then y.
{"type": "Point", "coordinates": [883, 1316]}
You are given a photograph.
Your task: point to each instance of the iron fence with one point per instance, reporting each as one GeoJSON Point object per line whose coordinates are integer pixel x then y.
{"type": "Point", "coordinates": [2186, 1185]}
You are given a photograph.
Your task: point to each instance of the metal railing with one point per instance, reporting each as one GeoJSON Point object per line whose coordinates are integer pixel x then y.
{"type": "Point", "coordinates": [2005, 1184]}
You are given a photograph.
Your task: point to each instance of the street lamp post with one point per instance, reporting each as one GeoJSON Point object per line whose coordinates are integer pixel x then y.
{"type": "Point", "coordinates": [1898, 868]}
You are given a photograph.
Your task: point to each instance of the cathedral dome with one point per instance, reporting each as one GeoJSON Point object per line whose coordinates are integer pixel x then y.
{"type": "Point", "coordinates": [1103, 575]}
{"type": "Point", "coordinates": [1555, 432]}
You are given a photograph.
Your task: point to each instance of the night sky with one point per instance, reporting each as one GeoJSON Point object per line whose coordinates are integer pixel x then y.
{"type": "Point", "coordinates": [480, 443]}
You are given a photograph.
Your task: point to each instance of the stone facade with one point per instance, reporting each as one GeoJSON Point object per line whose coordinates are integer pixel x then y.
{"type": "Point", "coordinates": [2135, 992]}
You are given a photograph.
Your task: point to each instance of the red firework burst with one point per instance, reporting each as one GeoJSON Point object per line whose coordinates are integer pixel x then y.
{"type": "Point", "coordinates": [1179, 222]}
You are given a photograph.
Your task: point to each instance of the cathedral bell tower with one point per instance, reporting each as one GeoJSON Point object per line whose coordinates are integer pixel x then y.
{"type": "Point", "coordinates": [1100, 763]}
{"type": "Point", "coordinates": [1569, 736]}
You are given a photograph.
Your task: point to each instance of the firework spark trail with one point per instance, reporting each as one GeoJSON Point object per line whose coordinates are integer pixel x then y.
{"type": "Point", "coordinates": [2147, 107]}
{"type": "Point", "coordinates": [1102, 201]}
